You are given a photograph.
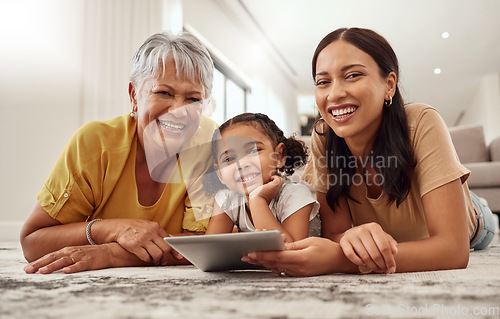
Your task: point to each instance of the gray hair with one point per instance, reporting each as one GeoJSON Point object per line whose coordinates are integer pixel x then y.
{"type": "Point", "coordinates": [192, 59]}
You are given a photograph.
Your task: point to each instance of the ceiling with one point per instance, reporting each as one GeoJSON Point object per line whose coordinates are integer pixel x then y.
{"type": "Point", "coordinates": [414, 29]}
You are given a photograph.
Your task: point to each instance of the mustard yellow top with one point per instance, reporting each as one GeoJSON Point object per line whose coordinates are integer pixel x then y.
{"type": "Point", "coordinates": [94, 177]}
{"type": "Point", "coordinates": [437, 165]}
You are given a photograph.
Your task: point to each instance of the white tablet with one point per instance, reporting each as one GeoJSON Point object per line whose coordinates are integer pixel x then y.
{"type": "Point", "coordinates": [224, 251]}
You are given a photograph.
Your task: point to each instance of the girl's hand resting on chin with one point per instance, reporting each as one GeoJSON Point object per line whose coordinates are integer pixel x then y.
{"type": "Point", "coordinates": [269, 190]}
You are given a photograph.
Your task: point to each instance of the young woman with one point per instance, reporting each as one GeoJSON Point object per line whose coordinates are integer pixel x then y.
{"type": "Point", "coordinates": [393, 194]}
{"type": "Point", "coordinates": [250, 150]}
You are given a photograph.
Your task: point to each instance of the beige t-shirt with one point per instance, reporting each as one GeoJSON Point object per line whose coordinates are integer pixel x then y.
{"type": "Point", "coordinates": [437, 165]}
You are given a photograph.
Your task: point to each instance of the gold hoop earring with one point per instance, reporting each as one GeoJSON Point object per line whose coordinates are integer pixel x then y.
{"type": "Point", "coordinates": [388, 103]}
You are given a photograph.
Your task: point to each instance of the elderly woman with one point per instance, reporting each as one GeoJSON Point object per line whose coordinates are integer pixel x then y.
{"type": "Point", "coordinates": [121, 185]}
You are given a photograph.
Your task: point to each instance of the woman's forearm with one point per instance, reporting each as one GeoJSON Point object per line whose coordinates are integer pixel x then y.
{"type": "Point", "coordinates": [430, 254]}
{"type": "Point", "coordinates": [48, 239]}
{"type": "Point", "coordinates": [42, 234]}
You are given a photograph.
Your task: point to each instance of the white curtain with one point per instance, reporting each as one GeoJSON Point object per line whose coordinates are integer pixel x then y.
{"type": "Point", "coordinates": [114, 30]}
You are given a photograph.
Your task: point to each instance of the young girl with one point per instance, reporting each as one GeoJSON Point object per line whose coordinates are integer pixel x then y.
{"type": "Point", "coordinates": [393, 194]}
{"type": "Point", "coordinates": [250, 152]}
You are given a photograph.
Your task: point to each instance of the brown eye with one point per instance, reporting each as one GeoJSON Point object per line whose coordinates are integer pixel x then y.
{"type": "Point", "coordinates": [194, 100]}
{"type": "Point", "coordinates": [166, 93]}
{"type": "Point", "coordinates": [321, 82]}
{"type": "Point", "coordinates": [353, 75]}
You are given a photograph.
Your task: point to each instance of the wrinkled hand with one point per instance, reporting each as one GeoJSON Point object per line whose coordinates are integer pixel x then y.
{"type": "Point", "coordinates": [307, 257]}
{"type": "Point", "coordinates": [142, 238]}
{"type": "Point", "coordinates": [72, 259]}
{"type": "Point", "coordinates": [269, 190]}
{"type": "Point", "coordinates": [368, 245]}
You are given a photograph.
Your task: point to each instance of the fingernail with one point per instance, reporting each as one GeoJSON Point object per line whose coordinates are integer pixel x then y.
{"type": "Point", "coordinates": [252, 255]}
{"type": "Point", "coordinates": [392, 270]}
{"type": "Point", "coordinates": [245, 259]}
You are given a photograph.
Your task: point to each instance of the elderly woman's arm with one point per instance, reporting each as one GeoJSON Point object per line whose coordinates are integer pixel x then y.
{"type": "Point", "coordinates": [41, 234]}
{"type": "Point", "coordinates": [142, 239]}
{"type": "Point", "coordinates": [90, 257]}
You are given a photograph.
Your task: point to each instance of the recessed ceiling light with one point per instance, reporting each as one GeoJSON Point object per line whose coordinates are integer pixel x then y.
{"type": "Point", "coordinates": [437, 71]}
{"type": "Point", "coordinates": [445, 35]}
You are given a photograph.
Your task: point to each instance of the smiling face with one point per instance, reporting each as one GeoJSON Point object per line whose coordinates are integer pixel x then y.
{"type": "Point", "coordinates": [350, 91]}
{"type": "Point", "coordinates": [246, 158]}
{"type": "Point", "coordinates": [168, 109]}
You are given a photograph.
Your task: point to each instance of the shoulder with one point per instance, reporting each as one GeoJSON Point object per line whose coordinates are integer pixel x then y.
{"type": "Point", "coordinates": [224, 198]}
{"type": "Point", "coordinates": [99, 136]}
{"type": "Point", "coordinates": [293, 190]}
{"type": "Point", "coordinates": [205, 132]}
{"type": "Point", "coordinates": [229, 202]}
{"type": "Point", "coordinates": [424, 120]}
{"type": "Point", "coordinates": [292, 197]}
{"type": "Point", "coordinates": [207, 124]}
{"type": "Point", "coordinates": [418, 111]}
{"type": "Point", "coordinates": [318, 138]}
{"type": "Point", "coordinates": [110, 132]}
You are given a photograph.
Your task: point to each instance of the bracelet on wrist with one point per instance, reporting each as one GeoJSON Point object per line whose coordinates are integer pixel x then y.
{"type": "Point", "coordinates": [89, 238]}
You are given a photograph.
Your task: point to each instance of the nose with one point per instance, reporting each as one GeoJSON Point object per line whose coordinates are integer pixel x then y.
{"type": "Point", "coordinates": [244, 162]}
{"type": "Point", "coordinates": [178, 107]}
{"type": "Point", "coordinates": [336, 92]}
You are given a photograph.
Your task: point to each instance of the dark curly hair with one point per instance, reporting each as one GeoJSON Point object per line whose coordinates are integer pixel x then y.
{"type": "Point", "coordinates": [295, 152]}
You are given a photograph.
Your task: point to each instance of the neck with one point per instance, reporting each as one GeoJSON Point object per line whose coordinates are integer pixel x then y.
{"type": "Point", "coordinates": [359, 148]}
{"type": "Point", "coordinates": [162, 170]}
{"type": "Point", "coordinates": [361, 144]}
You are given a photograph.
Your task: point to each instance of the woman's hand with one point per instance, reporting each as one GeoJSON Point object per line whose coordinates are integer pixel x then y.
{"type": "Point", "coordinates": [269, 190]}
{"type": "Point", "coordinates": [91, 257]}
{"type": "Point", "coordinates": [73, 259]}
{"type": "Point", "coordinates": [142, 238]}
{"type": "Point", "coordinates": [308, 257]}
{"type": "Point", "coordinates": [368, 245]}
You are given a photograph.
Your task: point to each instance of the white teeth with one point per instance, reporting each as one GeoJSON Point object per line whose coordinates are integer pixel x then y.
{"type": "Point", "coordinates": [344, 111]}
{"type": "Point", "coordinates": [248, 177]}
{"type": "Point", "coordinates": [171, 126]}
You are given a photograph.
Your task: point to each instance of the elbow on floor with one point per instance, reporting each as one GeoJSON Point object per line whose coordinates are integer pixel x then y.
{"type": "Point", "coordinates": [460, 261]}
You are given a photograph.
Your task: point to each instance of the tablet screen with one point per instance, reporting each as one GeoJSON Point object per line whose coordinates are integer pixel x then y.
{"type": "Point", "coordinates": [224, 251]}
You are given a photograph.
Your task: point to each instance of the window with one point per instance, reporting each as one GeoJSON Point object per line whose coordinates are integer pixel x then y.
{"type": "Point", "coordinates": [229, 93]}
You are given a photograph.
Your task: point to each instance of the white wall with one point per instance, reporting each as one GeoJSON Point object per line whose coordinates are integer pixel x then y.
{"type": "Point", "coordinates": [40, 88]}
{"type": "Point", "coordinates": [63, 63]}
{"type": "Point", "coordinates": [273, 92]}
{"type": "Point", "coordinates": [484, 107]}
